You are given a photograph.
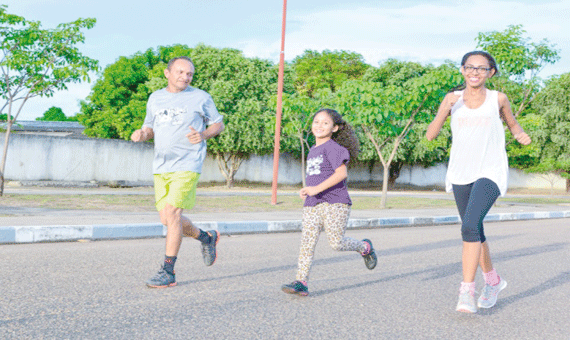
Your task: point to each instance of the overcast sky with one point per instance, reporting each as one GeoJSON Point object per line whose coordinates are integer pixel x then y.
{"type": "Point", "coordinates": [409, 30]}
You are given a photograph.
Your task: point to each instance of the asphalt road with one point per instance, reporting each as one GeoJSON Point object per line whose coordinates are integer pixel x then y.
{"type": "Point", "coordinates": [95, 290]}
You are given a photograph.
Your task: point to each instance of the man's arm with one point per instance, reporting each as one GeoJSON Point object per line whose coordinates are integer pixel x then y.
{"type": "Point", "coordinates": [213, 130]}
{"type": "Point", "coordinates": [142, 135]}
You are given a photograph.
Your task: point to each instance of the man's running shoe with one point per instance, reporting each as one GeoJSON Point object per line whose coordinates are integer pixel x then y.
{"type": "Point", "coordinates": [296, 287]}
{"type": "Point", "coordinates": [490, 293]}
{"type": "Point", "coordinates": [162, 279]}
{"type": "Point", "coordinates": [370, 259]}
{"type": "Point", "coordinates": [209, 252]}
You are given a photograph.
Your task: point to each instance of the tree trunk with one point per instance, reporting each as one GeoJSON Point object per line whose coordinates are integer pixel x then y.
{"type": "Point", "coordinates": [384, 185]}
{"type": "Point", "coordinates": [567, 184]}
{"type": "Point", "coordinates": [4, 154]}
{"type": "Point", "coordinates": [303, 169]}
{"type": "Point", "coordinates": [394, 173]}
{"type": "Point", "coordinates": [229, 165]}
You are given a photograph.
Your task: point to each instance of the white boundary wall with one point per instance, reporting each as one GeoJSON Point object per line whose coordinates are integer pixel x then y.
{"type": "Point", "coordinates": [38, 157]}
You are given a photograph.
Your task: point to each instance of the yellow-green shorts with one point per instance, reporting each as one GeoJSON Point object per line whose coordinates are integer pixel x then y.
{"type": "Point", "coordinates": [175, 188]}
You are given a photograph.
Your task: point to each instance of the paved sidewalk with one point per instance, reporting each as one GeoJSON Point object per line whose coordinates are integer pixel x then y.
{"type": "Point", "coordinates": [26, 225]}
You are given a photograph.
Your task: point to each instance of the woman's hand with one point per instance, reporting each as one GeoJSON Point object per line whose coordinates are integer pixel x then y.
{"type": "Point", "coordinates": [522, 138]}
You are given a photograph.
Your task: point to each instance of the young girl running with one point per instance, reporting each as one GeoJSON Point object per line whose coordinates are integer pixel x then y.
{"type": "Point", "coordinates": [327, 204]}
{"type": "Point", "coordinates": [478, 168]}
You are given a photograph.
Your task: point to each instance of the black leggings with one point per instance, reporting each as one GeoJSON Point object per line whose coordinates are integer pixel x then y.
{"type": "Point", "coordinates": [474, 202]}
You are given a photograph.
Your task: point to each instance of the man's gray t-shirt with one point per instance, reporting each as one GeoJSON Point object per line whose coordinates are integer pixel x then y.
{"type": "Point", "coordinates": [170, 115]}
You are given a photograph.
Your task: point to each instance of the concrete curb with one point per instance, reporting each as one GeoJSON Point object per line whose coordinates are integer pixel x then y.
{"type": "Point", "coordinates": [58, 233]}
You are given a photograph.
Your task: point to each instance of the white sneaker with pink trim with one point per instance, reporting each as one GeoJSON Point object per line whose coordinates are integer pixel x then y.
{"type": "Point", "coordinates": [490, 293]}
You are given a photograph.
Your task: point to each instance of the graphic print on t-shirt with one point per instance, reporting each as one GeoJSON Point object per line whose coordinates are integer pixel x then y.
{"type": "Point", "coordinates": [172, 116]}
{"type": "Point", "coordinates": [314, 165]}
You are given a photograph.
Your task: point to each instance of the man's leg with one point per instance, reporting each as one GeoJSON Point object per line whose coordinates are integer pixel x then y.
{"type": "Point", "coordinates": [172, 218]}
{"type": "Point", "coordinates": [175, 192]}
{"type": "Point", "coordinates": [178, 226]}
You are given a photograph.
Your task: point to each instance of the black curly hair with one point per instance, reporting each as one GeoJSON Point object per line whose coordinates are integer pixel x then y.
{"type": "Point", "coordinates": [345, 135]}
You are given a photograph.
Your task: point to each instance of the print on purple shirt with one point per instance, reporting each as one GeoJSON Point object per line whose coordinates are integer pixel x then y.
{"type": "Point", "coordinates": [322, 161]}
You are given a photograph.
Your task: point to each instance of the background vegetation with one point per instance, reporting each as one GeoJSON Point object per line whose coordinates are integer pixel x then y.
{"type": "Point", "coordinates": [389, 104]}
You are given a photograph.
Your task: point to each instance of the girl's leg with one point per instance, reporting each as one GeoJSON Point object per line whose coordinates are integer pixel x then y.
{"type": "Point", "coordinates": [462, 193]}
{"type": "Point", "coordinates": [335, 223]}
{"type": "Point", "coordinates": [485, 259]}
{"type": "Point", "coordinates": [470, 260]}
{"type": "Point", "coordinates": [480, 198]}
{"type": "Point", "coordinates": [493, 283]}
{"type": "Point", "coordinates": [312, 224]}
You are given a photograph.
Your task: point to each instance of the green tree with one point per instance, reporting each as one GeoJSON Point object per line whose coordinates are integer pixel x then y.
{"type": "Point", "coordinates": [413, 149]}
{"type": "Point", "coordinates": [241, 88]}
{"type": "Point", "coordinates": [394, 72]}
{"type": "Point", "coordinates": [53, 114]}
{"type": "Point", "coordinates": [298, 111]}
{"type": "Point", "coordinates": [328, 69]}
{"type": "Point", "coordinates": [387, 114]}
{"type": "Point", "coordinates": [519, 61]}
{"type": "Point", "coordinates": [116, 105]}
{"type": "Point", "coordinates": [552, 128]}
{"type": "Point", "coordinates": [37, 62]}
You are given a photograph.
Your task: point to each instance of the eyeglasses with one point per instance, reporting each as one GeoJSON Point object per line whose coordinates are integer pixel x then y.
{"type": "Point", "coordinates": [478, 69]}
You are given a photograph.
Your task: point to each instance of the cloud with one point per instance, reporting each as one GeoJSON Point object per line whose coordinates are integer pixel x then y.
{"type": "Point", "coordinates": [420, 31]}
{"type": "Point", "coordinates": [428, 33]}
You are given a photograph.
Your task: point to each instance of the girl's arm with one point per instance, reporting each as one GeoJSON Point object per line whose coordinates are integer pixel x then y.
{"type": "Point", "coordinates": [338, 176]}
{"type": "Point", "coordinates": [508, 117]}
{"type": "Point", "coordinates": [441, 116]}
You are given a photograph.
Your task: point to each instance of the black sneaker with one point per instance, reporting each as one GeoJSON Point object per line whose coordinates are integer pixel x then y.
{"type": "Point", "coordinates": [162, 279]}
{"type": "Point", "coordinates": [296, 287]}
{"type": "Point", "coordinates": [209, 252]}
{"type": "Point", "coordinates": [370, 259]}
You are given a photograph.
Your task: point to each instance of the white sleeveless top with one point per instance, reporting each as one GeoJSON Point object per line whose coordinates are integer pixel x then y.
{"type": "Point", "coordinates": [478, 144]}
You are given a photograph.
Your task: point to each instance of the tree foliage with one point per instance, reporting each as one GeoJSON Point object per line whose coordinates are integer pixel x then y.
{"type": "Point", "coordinates": [55, 114]}
{"type": "Point", "coordinates": [519, 61]}
{"type": "Point", "coordinates": [116, 105]}
{"type": "Point", "coordinates": [326, 70]}
{"type": "Point", "coordinates": [37, 62]}
{"type": "Point", "coordinates": [241, 88]}
{"type": "Point", "coordinates": [387, 114]}
{"type": "Point", "coordinates": [298, 111]}
{"type": "Point", "coordinates": [552, 122]}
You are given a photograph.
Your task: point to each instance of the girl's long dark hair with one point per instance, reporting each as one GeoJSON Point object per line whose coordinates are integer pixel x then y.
{"type": "Point", "coordinates": [488, 56]}
{"type": "Point", "coordinates": [345, 135]}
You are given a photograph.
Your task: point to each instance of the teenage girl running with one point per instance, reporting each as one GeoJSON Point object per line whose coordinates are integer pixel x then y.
{"type": "Point", "coordinates": [478, 168]}
{"type": "Point", "coordinates": [327, 204]}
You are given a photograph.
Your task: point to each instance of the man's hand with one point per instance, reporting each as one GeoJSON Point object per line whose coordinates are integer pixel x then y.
{"type": "Point", "coordinates": [194, 136]}
{"type": "Point", "coordinates": [137, 135]}
{"type": "Point", "coordinates": [142, 135]}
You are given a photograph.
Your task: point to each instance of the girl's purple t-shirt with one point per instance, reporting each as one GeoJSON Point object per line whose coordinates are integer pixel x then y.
{"type": "Point", "coordinates": [322, 161]}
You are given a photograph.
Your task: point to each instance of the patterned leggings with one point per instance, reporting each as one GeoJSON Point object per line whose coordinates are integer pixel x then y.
{"type": "Point", "coordinates": [333, 218]}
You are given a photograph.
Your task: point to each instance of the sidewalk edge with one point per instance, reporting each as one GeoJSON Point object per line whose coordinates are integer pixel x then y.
{"type": "Point", "coordinates": [59, 233]}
